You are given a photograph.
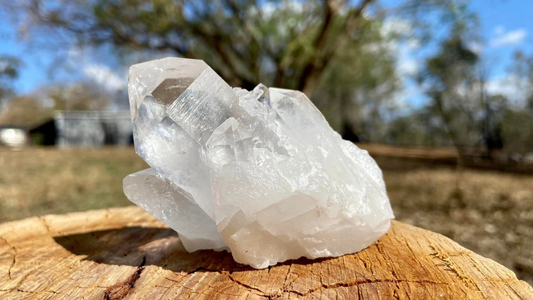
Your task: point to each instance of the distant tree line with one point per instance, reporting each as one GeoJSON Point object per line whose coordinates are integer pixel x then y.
{"type": "Point", "coordinates": [40, 105]}
{"type": "Point", "coordinates": [461, 112]}
{"type": "Point", "coordinates": [340, 53]}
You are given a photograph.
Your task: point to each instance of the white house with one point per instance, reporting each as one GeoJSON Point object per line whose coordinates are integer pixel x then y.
{"type": "Point", "coordinates": [85, 129]}
{"type": "Point", "coordinates": [13, 136]}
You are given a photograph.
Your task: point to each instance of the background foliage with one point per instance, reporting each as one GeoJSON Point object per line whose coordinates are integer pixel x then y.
{"type": "Point", "coordinates": [342, 54]}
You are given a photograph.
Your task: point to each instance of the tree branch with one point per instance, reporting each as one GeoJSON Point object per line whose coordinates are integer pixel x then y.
{"type": "Point", "coordinates": [318, 44]}
{"type": "Point", "coordinates": [255, 45]}
{"type": "Point", "coordinates": [323, 55]}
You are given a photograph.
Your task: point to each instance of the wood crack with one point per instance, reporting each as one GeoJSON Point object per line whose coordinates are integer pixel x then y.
{"type": "Point", "coordinates": [360, 282]}
{"type": "Point", "coordinates": [123, 289]}
{"type": "Point", "coordinates": [246, 285]}
{"type": "Point", "coordinates": [202, 269]}
{"type": "Point", "coordinates": [17, 287]}
{"type": "Point", "coordinates": [296, 278]}
{"type": "Point", "coordinates": [45, 224]}
{"type": "Point", "coordinates": [30, 292]}
{"type": "Point", "coordinates": [14, 258]}
{"type": "Point", "coordinates": [285, 285]}
{"type": "Point", "coordinates": [330, 286]}
{"type": "Point", "coordinates": [448, 262]}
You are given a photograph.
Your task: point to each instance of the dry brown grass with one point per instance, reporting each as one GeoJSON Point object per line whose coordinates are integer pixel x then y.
{"type": "Point", "coordinates": [489, 212]}
{"type": "Point", "coordinates": [38, 181]}
{"type": "Point", "coordinates": [410, 152]}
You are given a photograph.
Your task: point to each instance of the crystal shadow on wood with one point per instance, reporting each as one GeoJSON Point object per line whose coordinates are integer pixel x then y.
{"type": "Point", "coordinates": [260, 173]}
{"type": "Point", "coordinates": [151, 246]}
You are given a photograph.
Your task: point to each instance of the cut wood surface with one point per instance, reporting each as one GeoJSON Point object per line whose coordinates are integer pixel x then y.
{"type": "Point", "coordinates": [124, 253]}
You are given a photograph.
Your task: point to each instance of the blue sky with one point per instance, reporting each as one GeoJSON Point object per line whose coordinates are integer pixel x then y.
{"type": "Point", "coordinates": [506, 26]}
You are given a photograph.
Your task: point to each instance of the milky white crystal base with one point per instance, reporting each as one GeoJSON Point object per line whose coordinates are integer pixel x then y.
{"type": "Point", "coordinates": [259, 173]}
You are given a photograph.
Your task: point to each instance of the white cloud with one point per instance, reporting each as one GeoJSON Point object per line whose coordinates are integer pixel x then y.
{"type": "Point", "coordinates": [397, 33]}
{"type": "Point", "coordinates": [513, 37]}
{"type": "Point", "coordinates": [403, 99]}
{"type": "Point", "coordinates": [401, 43]}
{"type": "Point", "coordinates": [511, 86]}
{"type": "Point", "coordinates": [388, 46]}
{"type": "Point", "coordinates": [413, 43]}
{"type": "Point", "coordinates": [86, 60]}
{"type": "Point", "coordinates": [407, 66]}
{"type": "Point", "coordinates": [397, 27]}
{"type": "Point", "coordinates": [501, 85]}
{"type": "Point", "coordinates": [269, 8]}
{"type": "Point", "coordinates": [475, 47]}
{"type": "Point", "coordinates": [104, 76]}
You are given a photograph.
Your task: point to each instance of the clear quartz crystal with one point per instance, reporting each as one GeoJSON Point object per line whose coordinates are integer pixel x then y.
{"type": "Point", "coordinates": [259, 173]}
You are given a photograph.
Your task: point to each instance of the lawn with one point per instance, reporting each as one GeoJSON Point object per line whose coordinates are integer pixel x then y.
{"type": "Point", "coordinates": [486, 211]}
{"type": "Point", "coordinates": [40, 181]}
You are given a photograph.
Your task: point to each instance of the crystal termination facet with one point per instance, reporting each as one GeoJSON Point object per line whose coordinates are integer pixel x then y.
{"type": "Point", "coordinates": [259, 173]}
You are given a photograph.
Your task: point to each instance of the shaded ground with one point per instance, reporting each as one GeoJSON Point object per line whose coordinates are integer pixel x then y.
{"type": "Point", "coordinates": [490, 212]}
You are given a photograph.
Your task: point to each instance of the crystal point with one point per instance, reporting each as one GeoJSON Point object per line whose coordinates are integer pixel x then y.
{"type": "Point", "coordinates": [259, 173]}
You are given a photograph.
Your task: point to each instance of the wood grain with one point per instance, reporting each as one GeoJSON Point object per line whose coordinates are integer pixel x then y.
{"type": "Point", "coordinates": [124, 253]}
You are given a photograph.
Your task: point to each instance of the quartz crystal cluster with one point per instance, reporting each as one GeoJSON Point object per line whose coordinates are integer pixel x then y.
{"type": "Point", "coordinates": [259, 173]}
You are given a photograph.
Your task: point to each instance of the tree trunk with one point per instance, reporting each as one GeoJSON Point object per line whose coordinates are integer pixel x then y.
{"type": "Point", "coordinates": [124, 253]}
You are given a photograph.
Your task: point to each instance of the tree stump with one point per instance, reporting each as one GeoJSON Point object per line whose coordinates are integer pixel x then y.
{"type": "Point", "coordinates": [124, 253]}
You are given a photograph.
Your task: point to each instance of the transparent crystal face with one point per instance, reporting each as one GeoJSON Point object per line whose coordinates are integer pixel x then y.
{"type": "Point", "coordinates": [259, 173]}
{"type": "Point", "coordinates": [171, 88]}
{"type": "Point", "coordinates": [144, 78]}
